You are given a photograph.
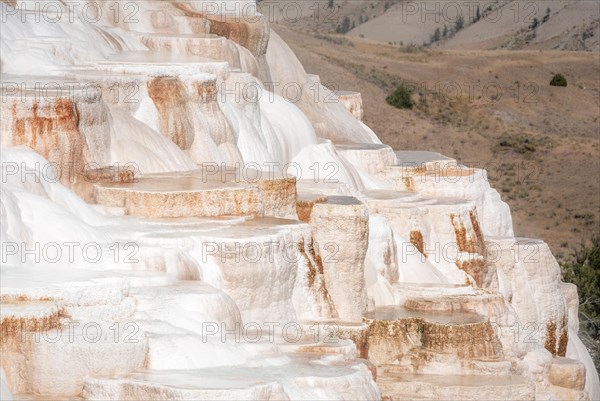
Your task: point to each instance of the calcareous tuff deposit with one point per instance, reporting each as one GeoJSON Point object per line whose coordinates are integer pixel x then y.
{"type": "Point", "coordinates": [187, 214]}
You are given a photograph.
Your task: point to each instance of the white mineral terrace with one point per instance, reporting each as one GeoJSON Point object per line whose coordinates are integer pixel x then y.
{"type": "Point", "coordinates": [174, 228]}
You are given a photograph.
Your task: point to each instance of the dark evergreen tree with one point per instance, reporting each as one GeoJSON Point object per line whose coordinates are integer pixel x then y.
{"type": "Point", "coordinates": [437, 35]}
{"type": "Point", "coordinates": [345, 24]}
{"type": "Point", "coordinates": [459, 24]}
{"type": "Point", "coordinates": [547, 16]}
{"type": "Point", "coordinates": [534, 24]}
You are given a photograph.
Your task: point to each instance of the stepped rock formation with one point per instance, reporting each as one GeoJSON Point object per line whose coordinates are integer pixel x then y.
{"type": "Point", "coordinates": [187, 214]}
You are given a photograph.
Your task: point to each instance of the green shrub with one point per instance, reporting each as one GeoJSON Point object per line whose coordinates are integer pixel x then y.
{"type": "Point", "coordinates": [584, 271]}
{"type": "Point", "coordinates": [558, 80]}
{"type": "Point", "coordinates": [401, 98]}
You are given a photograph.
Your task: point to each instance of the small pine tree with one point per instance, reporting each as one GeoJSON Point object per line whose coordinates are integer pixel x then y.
{"type": "Point", "coordinates": [330, 4]}
{"type": "Point", "coordinates": [534, 24]}
{"type": "Point", "coordinates": [459, 24]}
{"type": "Point", "coordinates": [477, 15]}
{"type": "Point", "coordinates": [445, 32]}
{"type": "Point", "coordinates": [437, 35]}
{"type": "Point", "coordinates": [547, 16]}
{"type": "Point", "coordinates": [345, 25]}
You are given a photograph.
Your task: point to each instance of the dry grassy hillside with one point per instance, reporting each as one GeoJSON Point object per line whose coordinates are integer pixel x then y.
{"type": "Point", "coordinates": [540, 144]}
{"type": "Point", "coordinates": [475, 25]}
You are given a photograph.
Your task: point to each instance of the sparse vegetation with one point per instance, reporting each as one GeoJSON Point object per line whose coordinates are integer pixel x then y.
{"type": "Point", "coordinates": [560, 159]}
{"type": "Point", "coordinates": [411, 48]}
{"type": "Point", "coordinates": [558, 80]}
{"type": "Point", "coordinates": [334, 39]}
{"type": "Point", "coordinates": [534, 24]}
{"type": "Point", "coordinates": [437, 35]}
{"type": "Point", "coordinates": [584, 271]}
{"type": "Point", "coordinates": [401, 98]}
{"type": "Point", "coordinates": [521, 144]}
{"type": "Point", "coordinates": [547, 16]}
{"type": "Point", "coordinates": [459, 24]}
{"type": "Point", "coordinates": [345, 27]}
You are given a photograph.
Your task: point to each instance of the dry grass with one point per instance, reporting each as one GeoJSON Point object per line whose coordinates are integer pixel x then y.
{"type": "Point", "coordinates": [540, 144]}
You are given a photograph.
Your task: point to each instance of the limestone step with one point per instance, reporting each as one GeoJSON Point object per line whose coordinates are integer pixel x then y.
{"type": "Point", "coordinates": [370, 157]}
{"type": "Point", "coordinates": [445, 232]}
{"type": "Point", "coordinates": [186, 305]}
{"type": "Point", "coordinates": [250, 29]}
{"type": "Point", "coordinates": [310, 193]}
{"type": "Point", "coordinates": [69, 288]}
{"type": "Point", "coordinates": [427, 362]}
{"type": "Point", "coordinates": [79, 317]}
{"type": "Point", "coordinates": [63, 122]}
{"type": "Point", "coordinates": [178, 385]}
{"type": "Point", "coordinates": [258, 262]}
{"type": "Point", "coordinates": [209, 46]}
{"type": "Point", "coordinates": [22, 315]}
{"type": "Point", "coordinates": [454, 298]}
{"type": "Point", "coordinates": [529, 263]}
{"type": "Point", "coordinates": [324, 333]}
{"type": "Point", "coordinates": [411, 164]}
{"type": "Point", "coordinates": [392, 313]}
{"type": "Point", "coordinates": [160, 64]}
{"type": "Point", "coordinates": [83, 348]}
{"type": "Point", "coordinates": [353, 102]}
{"type": "Point", "coordinates": [450, 387]}
{"type": "Point", "coordinates": [201, 193]}
{"type": "Point", "coordinates": [299, 377]}
{"type": "Point", "coordinates": [187, 320]}
{"type": "Point", "coordinates": [438, 177]}
{"type": "Point", "coordinates": [567, 373]}
{"type": "Point", "coordinates": [339, 227]}
{"type": "Point", "coordinates": [39, 397]}
{"type": "Point", "coordinates": [345, 349]}
{"type": "Point", "coordinates": [414, 161]}
{"type": "Point", "coordinates": [386, 199]}
{"type": "Point", "coordinates": [395, 332]}
{"type": "Point", "coordinates": [176, 196]}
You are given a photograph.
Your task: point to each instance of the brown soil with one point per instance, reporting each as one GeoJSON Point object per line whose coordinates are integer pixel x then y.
{"type": "Point", "coordinates": [540, 144]}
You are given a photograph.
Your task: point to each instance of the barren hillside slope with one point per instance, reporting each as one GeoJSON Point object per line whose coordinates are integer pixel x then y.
{"type": "Point", "coordinates": [477, 25]}
{"type": "Point", "coordinates": [495, 109]}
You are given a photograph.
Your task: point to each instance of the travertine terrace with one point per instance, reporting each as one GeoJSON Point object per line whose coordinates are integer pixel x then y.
{"type": "Point", "coordinates": [188, 215]}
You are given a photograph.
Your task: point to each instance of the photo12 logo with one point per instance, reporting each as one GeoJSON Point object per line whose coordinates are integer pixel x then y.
{"type": "Point", "coordinates": [71, 331]}
{"type": "Point", "coordinates": [69, 11]}
{"type": "Point", "coordinates": [68, 252]}
{"type": "Point", "coordinates": [272, 332]}
{"type": "Point", "coordinates": [454, 12]}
